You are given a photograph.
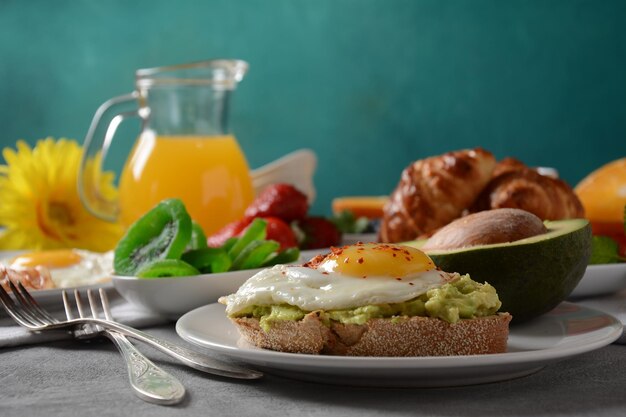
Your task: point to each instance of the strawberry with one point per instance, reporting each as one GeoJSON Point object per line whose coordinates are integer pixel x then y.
{"type": "Point", "coordinates": [279, 200]}
{"type": "Point", "coordinates": [318, 233]}
{"type": "Point", "coordinates": [280, 231]}
{"type": "Point", "coordinates": [276, 230]}
{"type": "Point", "coordinates": [230, 230]}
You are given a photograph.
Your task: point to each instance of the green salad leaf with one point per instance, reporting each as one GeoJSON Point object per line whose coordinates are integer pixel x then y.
{"type": "Point", "coordinates": [347, 222]}
{"type": "Point", "coordinates": [604, 250]}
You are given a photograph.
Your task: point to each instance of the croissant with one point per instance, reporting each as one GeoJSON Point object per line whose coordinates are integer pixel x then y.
{"type": "Point", "coordinates": [508, 164]}
{"type": "Point", "coordinates": [434, 191]}
{"type": "Point", "coordinates": [524, 188]}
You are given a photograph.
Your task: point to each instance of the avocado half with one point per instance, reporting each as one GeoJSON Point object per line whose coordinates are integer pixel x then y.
{"type": "Point", "coordinates": [531, 275]}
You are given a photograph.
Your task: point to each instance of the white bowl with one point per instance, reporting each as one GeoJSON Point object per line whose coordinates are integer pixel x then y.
{"type": "Point", "coordinates": [173, 297]}
{"type": "Point", "coordinates": [601, 280]}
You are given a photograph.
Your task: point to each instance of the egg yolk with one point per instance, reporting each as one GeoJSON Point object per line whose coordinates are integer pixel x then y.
{"type": "Point", "coordinates": [51, 258]}
{"type": "Point", "coordinates": [376, 259]}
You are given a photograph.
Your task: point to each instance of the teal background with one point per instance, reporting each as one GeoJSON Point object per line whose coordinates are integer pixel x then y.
{"type": "Point", "coordinates": [370, 85]}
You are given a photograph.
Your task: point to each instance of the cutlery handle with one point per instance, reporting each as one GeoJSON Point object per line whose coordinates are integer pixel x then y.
{"type": "Point", "coordinates": [188, 357]}
{"type": "Point", "coordinates": [149, 382]}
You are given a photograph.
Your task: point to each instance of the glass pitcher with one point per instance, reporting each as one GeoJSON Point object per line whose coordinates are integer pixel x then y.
{"type": "Point", "coordinates": [184, 149]}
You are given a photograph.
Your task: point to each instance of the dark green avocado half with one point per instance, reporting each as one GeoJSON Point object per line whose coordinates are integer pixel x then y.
{"type": "Point", "coordinates": [531, 275]}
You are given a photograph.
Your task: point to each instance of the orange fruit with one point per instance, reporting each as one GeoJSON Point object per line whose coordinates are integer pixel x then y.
{"type": "Point", "coordinates": [361, 206]}
{"type": "Point", "coordinates": [603, 195]}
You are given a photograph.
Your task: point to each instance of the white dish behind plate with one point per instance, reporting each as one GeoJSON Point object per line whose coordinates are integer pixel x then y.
{"type": "Point", "coordinates": [173, 297]}
{"type": "Point", "coordinates": [568, 330]}
{"type": "Point", "coordinates": [52, 297]}
{"type": "Point", "coordinates": [601, 280]}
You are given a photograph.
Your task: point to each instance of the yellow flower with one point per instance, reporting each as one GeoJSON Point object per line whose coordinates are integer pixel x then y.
{"type": "Point", "coordinates": [39, 203]}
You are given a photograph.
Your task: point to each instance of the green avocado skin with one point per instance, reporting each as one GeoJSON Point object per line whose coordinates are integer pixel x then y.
{"type": "Point", "coordinates": [530, 278]}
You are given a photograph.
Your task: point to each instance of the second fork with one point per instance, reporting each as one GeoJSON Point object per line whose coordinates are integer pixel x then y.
{"type": "Point", "coordinates": [148, 381]}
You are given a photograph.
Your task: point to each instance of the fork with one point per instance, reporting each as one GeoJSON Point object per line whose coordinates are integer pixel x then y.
{"type": "Point", "coordinates": [26, 312]}
{"type": "Point", "coordinates": [149, 382]}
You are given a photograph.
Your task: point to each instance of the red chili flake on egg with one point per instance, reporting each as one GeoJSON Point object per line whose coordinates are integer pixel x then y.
{"type": "Point", "coordinates": [410, 283]}
{"type": "Point", "coordinates": [324, 273]}
{"type": "Point", "coordinates": [336, 251]}
{"type": "Point", "coordinates": [394, 255]}
{"type": "Point", "coordinates": [398, 279]}
{"type": "Point", "coordinates": [408, 258]}
{"type": "Point", "coordinates": [360, 260]}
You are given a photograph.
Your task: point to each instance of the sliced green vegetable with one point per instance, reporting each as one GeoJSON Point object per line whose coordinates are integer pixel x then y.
{"type": "Point", "coordinates": [256, 231]}
{"type": "Point", "coordinates": [230, 242]}
{"type": "Point", "coordinates": [161, 233]}
{"type": "Point", "coordinates": [198, 238]}
{"type": "Point", "coordinates": [166, 268]}
{"type": "Point", "coordinates": [208, 260]}
{"type": "Point", "coordinates": [287, 256]}
{"type": "Point", "coordinates": [259, 252]}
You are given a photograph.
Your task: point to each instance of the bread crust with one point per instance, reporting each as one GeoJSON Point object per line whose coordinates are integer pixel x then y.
{"type": "Point", "coordinates": [402, 336]}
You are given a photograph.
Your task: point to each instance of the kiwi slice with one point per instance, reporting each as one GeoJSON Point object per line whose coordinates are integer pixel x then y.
{"type": "Point", "coordinates": [162, 233]}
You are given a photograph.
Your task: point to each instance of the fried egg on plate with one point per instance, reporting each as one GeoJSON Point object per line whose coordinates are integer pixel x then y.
{"type": "Point", "coordinates": [348, 277]}
{"type": "Point", "coordinates": [67, 267]}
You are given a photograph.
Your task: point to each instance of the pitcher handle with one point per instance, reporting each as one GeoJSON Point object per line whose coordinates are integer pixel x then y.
{"type": "Point", "coordinates": [95, 150]}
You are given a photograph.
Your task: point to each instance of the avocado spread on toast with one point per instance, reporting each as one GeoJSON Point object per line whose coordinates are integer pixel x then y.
{"type": "Point", "coordinates": [462, 298]}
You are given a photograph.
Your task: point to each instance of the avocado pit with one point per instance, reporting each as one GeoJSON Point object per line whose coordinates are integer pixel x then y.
{"type": "Point", "coordinates": [485, 228]}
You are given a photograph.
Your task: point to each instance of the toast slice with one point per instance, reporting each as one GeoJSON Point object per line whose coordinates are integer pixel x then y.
{"type": "Point", "coordinates": [400, 336]}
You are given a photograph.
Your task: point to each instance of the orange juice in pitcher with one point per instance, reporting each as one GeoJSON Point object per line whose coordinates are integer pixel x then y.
{"type": "Point", "coordinates": [185, 149]}
{"type": "Point", "coordinates": [209, 173]}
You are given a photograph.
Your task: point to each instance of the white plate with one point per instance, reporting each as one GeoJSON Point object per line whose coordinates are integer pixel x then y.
{"type": "Point", "coordinates": [566, 331]}
{"type": "Point", "coordinates": [601, 280]}
{"type": "Point", "coordinates": [53, 296]}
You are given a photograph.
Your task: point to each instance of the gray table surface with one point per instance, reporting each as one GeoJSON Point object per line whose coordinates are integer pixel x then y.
{"type": "Point", "coordinates": [71, 378]}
